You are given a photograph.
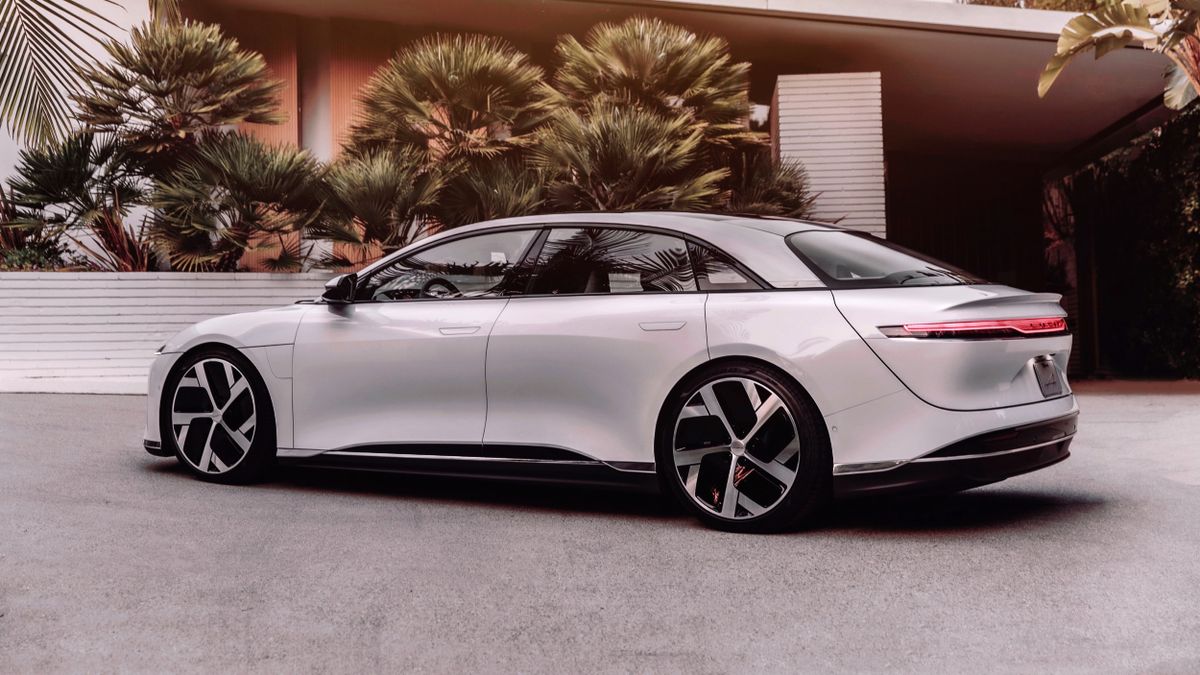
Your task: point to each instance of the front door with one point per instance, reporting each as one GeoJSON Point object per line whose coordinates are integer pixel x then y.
{"type": "Point", "coordinates": [404, 364]}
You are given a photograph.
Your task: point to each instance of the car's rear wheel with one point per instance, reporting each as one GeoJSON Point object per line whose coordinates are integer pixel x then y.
{"type": "Point", "coordinates": [217, 416]}
{"type": "Point", "coordinates": [744, 449]}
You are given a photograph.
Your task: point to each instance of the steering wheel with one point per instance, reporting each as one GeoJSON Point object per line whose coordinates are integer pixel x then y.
{"type": "Point", "coordinates": [439, 288]}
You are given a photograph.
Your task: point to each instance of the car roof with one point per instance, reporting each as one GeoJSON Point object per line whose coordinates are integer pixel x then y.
{"type": "Point", "coordinates": [682, 221]}
{"type": "Point", "coordinates": [755, 241]}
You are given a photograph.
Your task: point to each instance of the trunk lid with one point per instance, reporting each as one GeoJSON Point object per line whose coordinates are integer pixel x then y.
{"type": "Point", "coordinates": [964, 370]}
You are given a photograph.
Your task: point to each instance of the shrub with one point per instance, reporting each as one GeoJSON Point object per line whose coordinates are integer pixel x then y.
{"type": "Point", "coordinates": [169, 85]}
{"type": "Point", "coordinates": [624, 159]}
{"type": "Point", "coordinates": [237, 194]}
{"type": "Point", "coordinates": [378, 198]}
{"type": "Point", "coordinates": [1143, 207]}
{"type": "Point", "coordinates": [83, 189]}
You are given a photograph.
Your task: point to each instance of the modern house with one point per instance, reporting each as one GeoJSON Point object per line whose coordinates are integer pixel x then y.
{"type": "Point", "coordinates": [916, 120]}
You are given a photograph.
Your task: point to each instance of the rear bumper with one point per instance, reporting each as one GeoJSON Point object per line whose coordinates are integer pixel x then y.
{"type": "Point", "coordinates": [971, 462]}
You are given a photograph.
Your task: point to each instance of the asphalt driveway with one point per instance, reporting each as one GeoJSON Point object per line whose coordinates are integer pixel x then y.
{"type": "Point", "coordinates": [113, 560]}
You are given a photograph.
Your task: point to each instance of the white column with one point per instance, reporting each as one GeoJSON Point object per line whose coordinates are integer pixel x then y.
{"type": "Point", "coordinates": [833, 124]}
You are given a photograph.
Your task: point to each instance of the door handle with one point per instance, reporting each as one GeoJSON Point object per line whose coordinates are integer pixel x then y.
{"type": "Point", "coordinates": [459, 330]}
{"type": "Point", "coordinates": [662, 325]}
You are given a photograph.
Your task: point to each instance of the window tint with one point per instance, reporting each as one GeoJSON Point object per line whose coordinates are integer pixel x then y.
{"type": "Point", "coordinates": [473, 267]}
{"type": "Point", "coordinates": [604, 260]}
{"type": "Point", "coordinates": [716, 271]}
{"type": "Point", "coordinates": [855, 260]}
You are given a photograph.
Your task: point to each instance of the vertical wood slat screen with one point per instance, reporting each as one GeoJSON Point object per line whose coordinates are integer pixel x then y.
{"type": "Point", "coordinates": [96, 332]}
{"type": "Point", "coordinates": [833, 124]}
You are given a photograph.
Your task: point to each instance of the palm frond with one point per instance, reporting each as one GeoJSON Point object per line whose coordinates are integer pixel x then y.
{"type": "Point", "coordinates": [485, 190]}
{"type": "Point", "coordinates": [170, 84]}
{"type": "Point", "coordinates": [235, 194]}
{"type": "Point", "coordinates": [453, 96]}
{"type": "Point", "coordinates": [39, 48]}
{"type": "Point", "coordinates": [165, 11]}
{"type": "Point", "coordinates": [383, 194]}
{"type": "Point", "coordinates": [760, 185]}
{"type": "Point", "coordinates": [622, 158]}
{"type": "Point", "coordinates": [660, 67]}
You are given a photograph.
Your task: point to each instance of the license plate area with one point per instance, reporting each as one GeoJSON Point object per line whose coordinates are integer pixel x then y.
{"type": "Point", "coordinates": [1049, 380]}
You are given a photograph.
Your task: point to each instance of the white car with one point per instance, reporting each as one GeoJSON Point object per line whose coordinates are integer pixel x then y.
{"type": "Point", "coordinates": [753, 367]}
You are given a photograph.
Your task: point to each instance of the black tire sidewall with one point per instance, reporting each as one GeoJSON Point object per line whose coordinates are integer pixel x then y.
{"type": "Point", "coordinates": [262, 449]}
{"type": "Point", "coordinates": [811, 491]}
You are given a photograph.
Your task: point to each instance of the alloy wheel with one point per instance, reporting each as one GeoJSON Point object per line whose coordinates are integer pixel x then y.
{"type": "Point", "coordinates": [736, 448]}
{"type": "Point", "coordinates": [213, 416]}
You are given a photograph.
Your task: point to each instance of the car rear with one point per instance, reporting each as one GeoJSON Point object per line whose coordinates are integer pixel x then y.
{"type": "Point", "coordinates": [966, 349]}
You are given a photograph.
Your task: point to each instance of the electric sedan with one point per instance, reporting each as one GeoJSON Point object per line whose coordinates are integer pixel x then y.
{"type": "Point", "coordinates": [755, 368]}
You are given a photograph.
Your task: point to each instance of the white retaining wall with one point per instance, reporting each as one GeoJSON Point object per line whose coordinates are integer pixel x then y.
{"type": "Point", "coordinates": [833, 124]}
{"type": "Point", "coordinates": [96, 332]}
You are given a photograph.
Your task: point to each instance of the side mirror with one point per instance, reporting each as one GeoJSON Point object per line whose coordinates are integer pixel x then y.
{"type": "Point", "coordinates": [340, 289]}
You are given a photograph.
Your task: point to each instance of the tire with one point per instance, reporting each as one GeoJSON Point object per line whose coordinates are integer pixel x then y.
{"type": "Point", "coordinates": [766, 445]}
{"type": "Point", "coordinates": [236, 421]}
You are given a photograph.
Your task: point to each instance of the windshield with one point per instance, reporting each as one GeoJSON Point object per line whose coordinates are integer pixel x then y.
{"type": "Point", "coordinates": [855, 260]}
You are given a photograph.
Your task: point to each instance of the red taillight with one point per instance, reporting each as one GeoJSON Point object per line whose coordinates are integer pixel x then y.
{"type": "Point", "coordinates": [979, 329]}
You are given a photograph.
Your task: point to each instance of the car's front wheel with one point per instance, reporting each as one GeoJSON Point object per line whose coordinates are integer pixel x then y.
{"type": "Point", "coordinates": [217, 417]}
{"type": "Point", "coordinates": [744, 449]}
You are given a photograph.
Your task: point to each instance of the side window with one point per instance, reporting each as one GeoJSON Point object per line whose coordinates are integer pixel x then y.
{"type": "Point", "coordinates": [472, 267]}
{"type": "Point", "coordinates": [715, 271]}
{"type": "Point", "coordinates": [605, 260]}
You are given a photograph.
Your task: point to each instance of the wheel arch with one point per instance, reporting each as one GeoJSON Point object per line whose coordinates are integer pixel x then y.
{"type": "Point", "coordinates": [739, 359]}
{"type": "Point", "coordinates": [166, 397]}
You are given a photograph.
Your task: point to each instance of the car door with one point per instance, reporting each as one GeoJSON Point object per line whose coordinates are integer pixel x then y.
{"type": "Point", "coordinates": [609, 321]}
{"type": "Point", "coordinates": [404, 363]}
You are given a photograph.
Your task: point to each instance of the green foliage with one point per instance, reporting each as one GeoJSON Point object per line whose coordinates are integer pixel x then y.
{"type": "Point", "coordinates": [1165, 26]}
{"type": "Point", "coordinates": [478, 191]}
{"type": "Point", "coordinates": [1144, 208]}
{"type": "Point", "coordinates": [237, 194]}
{"type": "Point", "coordinates": [171, 83]}
{"type": "Point", "coordinates": [378, 197]}
{"type": "Point", "coordinates": [83, 189]}
{"type": "Point", "coordinates": [762, 186]}
{"type": "Point", "coordinates": [453, 96]}
{"type": "Point", "coordinates": [658, 67]}
{"type": "Point", "coordinates": [39, 51]}
{"type": "Point", "coordinates": [1057, 5]}
{"type": "Point", "coordinates": [624, 159]}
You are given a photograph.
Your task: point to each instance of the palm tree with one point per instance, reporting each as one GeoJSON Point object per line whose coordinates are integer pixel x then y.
{"type": "Point", "coordinates": [759, 184]}
{"type": "Point", "coordinates": [1169, 27]}
{"type": "Point", "coordinates": [499, 188]}
{"type": "Point", "coordinates": [613, 158]}
{"type": "Point", "coordinates": [659, 67]}
{"type": "Point", "coordinates": [172, 83]}
{"type": "Point", "coordinates": [83, 189]}
{"type": "Point", "coordinates": [377, 201]}
{"type": "Point", "coordinates": [237, 194]}
{"type": "Point", "coordinates": [453, 96]}
{"type": "Point", "coordinates": [39, 54]}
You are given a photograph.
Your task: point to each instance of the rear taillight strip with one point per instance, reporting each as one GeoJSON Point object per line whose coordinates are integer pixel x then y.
{"type": "Point", "coordinates": [979, 329]}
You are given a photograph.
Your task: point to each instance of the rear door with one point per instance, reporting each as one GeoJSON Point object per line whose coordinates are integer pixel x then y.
{"type": "Point", "coordinates": [609, 321]}
{"type": "Point", "coordinates": [956, 342]}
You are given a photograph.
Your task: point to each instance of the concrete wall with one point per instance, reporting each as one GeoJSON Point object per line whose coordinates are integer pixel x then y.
{"type": "Point", "coordinates": [833, 124]}
{"type": "Point", "coordinates": [95, 332]}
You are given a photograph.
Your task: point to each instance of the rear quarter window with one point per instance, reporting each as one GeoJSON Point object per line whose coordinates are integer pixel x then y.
{"type": "Point", "coordinates": [856, 260]}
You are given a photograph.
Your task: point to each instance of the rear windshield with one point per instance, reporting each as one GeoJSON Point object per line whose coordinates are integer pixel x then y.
{"type": "Point", "coordinates": [856, 260]}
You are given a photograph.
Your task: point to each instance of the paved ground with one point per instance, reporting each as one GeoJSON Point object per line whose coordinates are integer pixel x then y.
{"type": "Point", "coordinates": [113, 560]}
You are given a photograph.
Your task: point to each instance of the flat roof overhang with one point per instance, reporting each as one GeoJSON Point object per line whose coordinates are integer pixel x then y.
{"type": "Point", "coordinates": [957, 79]}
